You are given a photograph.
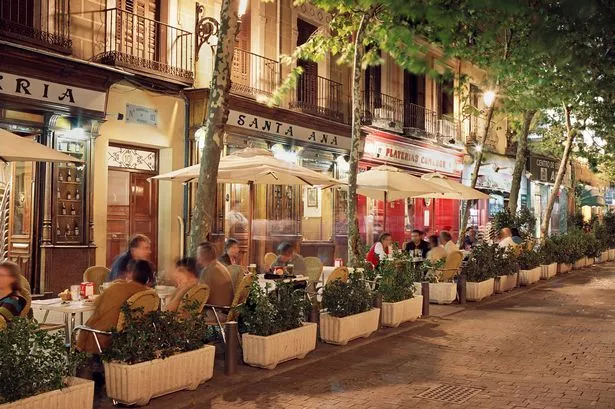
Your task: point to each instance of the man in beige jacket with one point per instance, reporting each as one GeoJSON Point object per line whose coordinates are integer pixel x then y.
{"type": "Point", "coordinates": [215, 275]}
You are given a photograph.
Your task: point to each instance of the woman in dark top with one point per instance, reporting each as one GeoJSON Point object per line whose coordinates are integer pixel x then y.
{"type": "Point", "coordinates": [12, 302]}
{"type": "Point", "coordinates": [231, 252]}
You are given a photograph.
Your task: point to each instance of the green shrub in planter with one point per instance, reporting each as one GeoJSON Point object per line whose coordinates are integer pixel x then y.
{"type": "Point", "coordinates": [504, 261]}
{"type": "Point", "coordinates": [528, 259]}
{"type": "Point", "coordinates": [397, 278]}
{"type": "Point", "coordinates": [609, 224]}
{"type": "Point", "coordinates": [592, 246]}
{"type": "Point", "coordinates": [267, 313]}
{"type": "Point", "coordinates": [33, 361]}
{"type": "Point", "coordinates": [548, 251]}
{"type": "Point", "coordinates": [524, 220]}
{"type": "Point", "coordinates": [157, 334]}
{"type": "Point", "coordinates": [343, 299]}
{"type": "Point", "coordinates": [480, 265]}
{"type": "Point", "coordinates": [602, 236]}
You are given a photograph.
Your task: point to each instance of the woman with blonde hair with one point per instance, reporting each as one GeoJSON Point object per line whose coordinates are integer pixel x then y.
{"type": "Point", "coordinates": [12, 302]}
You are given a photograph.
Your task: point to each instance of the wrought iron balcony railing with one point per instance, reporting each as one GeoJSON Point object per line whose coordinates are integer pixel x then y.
{"type": "Point", "coordinates": [319, 96]}
{"type": "Point", "coordinates": [420, 121]}
{"type": "Point", "coordinates": [253, 75]}
{"type": "Point", "coordinates": [383, 110]}
{"type": "Point", "coordinates": [38, 23]}
{"type": "Point", "coordinates": [475, 128]}
{"type": "Point", "coordinates": [143, 44]}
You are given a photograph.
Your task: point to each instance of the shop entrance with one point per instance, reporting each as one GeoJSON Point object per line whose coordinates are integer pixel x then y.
{"type": "Point", "coordinates": [132, 200]}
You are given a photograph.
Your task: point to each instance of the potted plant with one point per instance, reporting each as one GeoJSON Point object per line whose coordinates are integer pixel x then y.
{"type": "Point", "coordinates": [548, 263]}
{"type": "Point", "coordinates": [505, 268]}
{"type": "Point", "coordinates": [564, 252]}
{"type": "Point", "coordinates": [602, 242]}
{"type": "Point", "coordinates": [529, 267]}
{"type": "Point", "coordinates": [592, 248]}
{"type": "Point", "coordinates": [155, 354]}
{"type": "Point", "coordinates": [38, 370]}
{"type": "Point", "coordinates": [440, 292]}
{"type": "Point", "coordinates": [479, 272]}
{"type": "Point", "coordinates": [348, 311]}
{"type": "Point", "coordinates": [609, 224]}
{"type": "Point", "coordinates": [396, 286]}
{"type": "Point", "coordinates": [273, 328]}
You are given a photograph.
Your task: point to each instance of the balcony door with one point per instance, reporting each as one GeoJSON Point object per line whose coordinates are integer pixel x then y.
{"type": "Point", "coordinates": [137, 31]}
{"type": "Point", "coordinates": [242, 68]}
{"type": "Point", "coordinates": [307, 88]}
{"type": "Point", "coordinates": [373, 90]}
{"type": "Point", "coordinates": [414, 100]}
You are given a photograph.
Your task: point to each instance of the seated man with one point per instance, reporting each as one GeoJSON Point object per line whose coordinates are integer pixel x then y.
{"type": "Point", "coordinates": [215, 275]}
{"type": "Point", "coordinates": [231, 252]}
{"type": "Point", "coordinates": [436, 252]}
{"type": "Point", "coordinates": [506, 239]}
{"type": "Point", "coordinates": [446, 241]}
{"type": "Point", "coordinates": [139, 248]}
{"type": "Point", "coordinates": [12, 296]}
{"type": "Point", "coordinates": [185, 276]}
{"type": "Point", "coordinates": [516, 236]}
{"type": "Point", "coordinates": [109, 304]}
{"type": "Point", "coordinates": [286, 256]}
{"type": "Point", "coordinates": [417, 247]}
{"type": "Point", "coordinates": [470, 240]}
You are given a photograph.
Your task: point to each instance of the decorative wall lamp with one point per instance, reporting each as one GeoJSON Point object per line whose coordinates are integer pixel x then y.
{"type": "Point", "coordinates": [205, 27]}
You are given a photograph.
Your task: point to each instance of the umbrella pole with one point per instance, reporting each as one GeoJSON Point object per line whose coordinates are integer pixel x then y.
{"type": "Point", "coordinates": [385, 212]}
{"type": "Point", "coordinates": [250, 218]}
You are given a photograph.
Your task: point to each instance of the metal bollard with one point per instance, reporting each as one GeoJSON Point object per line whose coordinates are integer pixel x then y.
{"type": "Point", "coordinates": [315, 313]}
{"type": "Point", "coordinates": [461, 288]}
{"type": "Point", "coordinates": [425, 293]}
{"type": "Point", "coordinates": [378, 304]}
{"type": "Point", "coordinates": [232, 343]}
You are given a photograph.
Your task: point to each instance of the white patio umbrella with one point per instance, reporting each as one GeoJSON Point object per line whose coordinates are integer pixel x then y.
{"type": "Point", "coordinates": [14, 148]}
{"type": "Point", "coordinates": [388, 183]}
{"type": "Point", "coordinates": [253, 166]}
{"type": "Point", "coordinates": [454, 189]}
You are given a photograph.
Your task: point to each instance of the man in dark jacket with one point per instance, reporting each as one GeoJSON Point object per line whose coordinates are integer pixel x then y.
{"type": "Point", "coordinates": [139, 248]}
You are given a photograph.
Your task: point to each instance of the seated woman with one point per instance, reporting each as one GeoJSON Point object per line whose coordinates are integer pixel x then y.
{"type": "Point", "coordinates": [231, 253]}
{"type": "Point", "coordinates": [109, 304]}
{"type": "Point", "coordinates": [12, 301]}
{"type": "Point", "coordinates": [436, 251]}
{"type": "Point", "coordinates": [186, 277]}
{"type": "Point", "coordinates": [380, 250]}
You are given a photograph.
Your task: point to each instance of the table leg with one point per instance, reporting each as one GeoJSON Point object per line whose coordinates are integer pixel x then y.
{"type": "Point", "coordinates": [45, 316]}
{"type": "Point", "coordinates": [66, 330]}
{"type": "Point", "coordinates": [72, 325]}
{"type": "Point", "coordinates": [81, 318]}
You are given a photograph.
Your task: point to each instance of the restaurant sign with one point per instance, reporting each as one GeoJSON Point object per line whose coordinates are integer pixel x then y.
{"type": "Point", "coordinates": [543, 169]}
{"type": "Point", "coordinates": [286, 130]}
{"type": "Point", "coordinates": [413, 156]}
{"type": "Point", "coordinates": [46, 91]}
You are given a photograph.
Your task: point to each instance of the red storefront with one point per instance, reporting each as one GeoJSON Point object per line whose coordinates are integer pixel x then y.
{"type": "Point", "coordinates": [402, 216]}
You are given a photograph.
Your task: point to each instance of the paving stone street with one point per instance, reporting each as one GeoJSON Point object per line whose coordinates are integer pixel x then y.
{"type": "Point", "coordinates": [549, 346]}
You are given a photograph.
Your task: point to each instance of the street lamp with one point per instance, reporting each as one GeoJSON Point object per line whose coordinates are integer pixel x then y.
{"type": "Point", "coordinates": [489, 98]}
{"type": "Point", "coordinates": [243, 6]}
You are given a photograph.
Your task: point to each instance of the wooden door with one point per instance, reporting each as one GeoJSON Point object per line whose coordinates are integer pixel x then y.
{"type": "Point", "coordinates": [307, 89]}
{"type": "Point", "coordinates": [132, 208]}
{"type": "Point", "coordinates": [21, 229]}
{"type": "Point", "coordinates": [242, 61]}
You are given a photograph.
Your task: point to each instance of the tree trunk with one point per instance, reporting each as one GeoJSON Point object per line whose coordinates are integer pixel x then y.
{"type": "Point", "coordinates": [520, 161]}
{"type": "Point", "coordinates": [355, 253]}
{"type": "Point", "coordinates": [477, 162]}
{"type": "Point", "coordinates": [216, 117]}
{"type": "Point", "coordinates": [544, 226]}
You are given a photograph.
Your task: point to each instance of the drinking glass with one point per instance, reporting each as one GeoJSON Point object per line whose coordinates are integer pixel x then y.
{"type": "Point", "coordinates": [289, 269]}
{"type": "Point", "coordinates": [75, 292]}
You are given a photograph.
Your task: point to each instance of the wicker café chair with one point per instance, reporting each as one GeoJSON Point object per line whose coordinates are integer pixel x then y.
{"type": "Point", "coordinates": [237, 272]}
{"type": "Point", "coordinates": [198, 293]}
{"type": "Point", "coordinates": [146, 300]}
{"type": "Point", "coordinates": [269, 259]}
{"type": "Point", "coordinates": [2, 323]}
{"type": "Point", "coordinates": [240, 297]}
{"type": "Point", "coordinates": [97, 275]}
{"type": "Point", "coordinates": [451, 267]}
{"type": "Point", "coordinates": [314, 269]}
{"type": "Point", "coordinates": [340, 273]}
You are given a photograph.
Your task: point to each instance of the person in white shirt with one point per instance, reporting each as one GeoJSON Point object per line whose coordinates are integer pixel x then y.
{"type": "Point", "coordinates": [381, 250]}
{"type": "Point", "coordinates": [446, 241]}
{"type": "Point", "coordinates": [506, 239]}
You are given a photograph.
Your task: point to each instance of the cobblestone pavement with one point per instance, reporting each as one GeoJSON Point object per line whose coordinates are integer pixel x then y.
{"type": "Point", "coordinates": [550, 347]}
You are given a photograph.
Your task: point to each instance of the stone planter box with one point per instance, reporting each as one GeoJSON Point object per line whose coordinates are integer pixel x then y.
{"type": "Point", "coordinates": [267, 352]}
{"type": "Point", "coordinates": [548, 271]}
{"type": "Point", "coordinates": [439, 293]}
{"type": "Point", "coordinates": [611, 254]}
{"type": "Point", "coordinates": [476, 291]}
{"type": "Point", "coordinates": [563, 268]}
{"type": "Point", "coordinates": [505, 283]}
{"type": "Point", "coordinates": [588, 262]}
{"type": "Point", "coordinates": [527, 277]}
{"type": "Point", "coordinates": [394, 313]}
{"type": "Point", "coordinates": [602, 258]}
{"type": "Point", "coordinates": [580, 263]}
{"type": "Point", "coordinates": [138, 383]}
{"type": "Point", "coordinates": [340, 331]}
{"type": "Point", "coordinates": [78, 394]}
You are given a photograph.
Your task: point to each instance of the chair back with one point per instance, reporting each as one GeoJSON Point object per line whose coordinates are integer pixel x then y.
{"type": "Point", "coordinates": [530, 244]}
{"type": "Point", "coordinates": [451, 266]}
{"type": "Point", "coordinates": [515, 250]}
{"type": "Point", "coordinates": [241, 295]}
{"type": "Point", "coordinates": [24, 283]}
{"type": "Point", "coordinates": [313, 268]}
{"type": "Point", "coordinates": [148, 300]}
{"type": "Point", "coordinates": [26, 309]}
{"type": "Point", "coordinates": [97, 275]}
{"type": "Point", "coordinates": [198, 293]}
{"type": "Point", "coordinates": [269, 259]}
{"type": "Point", "coordinates": [237, 272]}
{"type": "Point", "coordinates": [339, 273]}
{"type": "Point", "coordinates": [2, 323]}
